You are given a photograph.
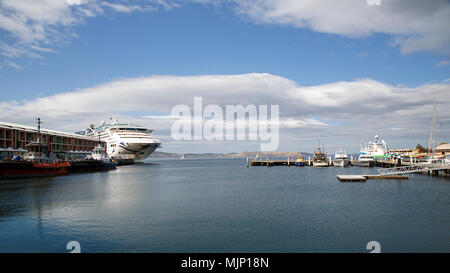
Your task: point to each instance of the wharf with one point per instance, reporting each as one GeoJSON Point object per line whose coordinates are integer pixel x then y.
{"type": "Point", "coordinates": [269, 163]}
{"type": "Point", "coordinates": [363, 178]}
{"type": "Point", "coordinates": [351, 178]}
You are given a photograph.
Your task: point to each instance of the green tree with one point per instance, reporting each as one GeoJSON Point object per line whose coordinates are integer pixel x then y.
{"type": "Point", "coordinates": [421, 148]}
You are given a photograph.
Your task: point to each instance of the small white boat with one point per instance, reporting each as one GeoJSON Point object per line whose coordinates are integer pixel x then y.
{"type": "Point", "coordinates": [340, 159]}
{"type": "Point", "coordinates": [364, 160]}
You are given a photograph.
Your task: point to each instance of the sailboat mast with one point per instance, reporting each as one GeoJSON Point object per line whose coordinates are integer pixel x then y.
{"type": "Point", "coordinates": [431, 141]}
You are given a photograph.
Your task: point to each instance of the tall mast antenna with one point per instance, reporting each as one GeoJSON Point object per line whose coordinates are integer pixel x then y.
{"type": "Point", "coordinates": [39, 129]}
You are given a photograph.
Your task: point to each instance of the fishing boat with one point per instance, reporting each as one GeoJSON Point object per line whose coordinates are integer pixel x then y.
{"type": "Point", "coordinates": [37, 161]}
{"type": "Point", "coordinates": [320, 159]}
{"type": "Point", "coordinates": [340, 159]}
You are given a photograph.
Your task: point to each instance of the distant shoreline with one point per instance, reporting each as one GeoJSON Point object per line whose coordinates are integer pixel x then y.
{"type": "Point", "coordinates": [156, 155]}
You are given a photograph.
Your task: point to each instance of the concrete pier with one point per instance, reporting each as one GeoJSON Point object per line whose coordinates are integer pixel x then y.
{"type": "Point", "coordinates": [363, 178]}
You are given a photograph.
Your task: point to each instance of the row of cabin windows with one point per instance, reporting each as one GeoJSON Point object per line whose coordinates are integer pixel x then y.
{"type": "Point", "coordinates": [130, 129]}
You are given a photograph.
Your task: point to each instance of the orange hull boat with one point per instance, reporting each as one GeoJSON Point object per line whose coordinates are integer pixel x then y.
{"type": "Point", "coordinates": [21, 170]}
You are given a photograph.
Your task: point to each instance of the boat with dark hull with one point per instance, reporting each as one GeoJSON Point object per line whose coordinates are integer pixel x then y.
{"type": "Point", "coordinates": [30, 169]}
{"type": "Point", "coordinates": [38, 161]}
{"type": "Point", "coordinates": [86, 165]}
{"type": "Point", "coordinates": [97, 161]}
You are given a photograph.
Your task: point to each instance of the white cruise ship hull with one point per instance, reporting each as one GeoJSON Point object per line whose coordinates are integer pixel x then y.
{"type": "Point", "coordinates": [137, 150]}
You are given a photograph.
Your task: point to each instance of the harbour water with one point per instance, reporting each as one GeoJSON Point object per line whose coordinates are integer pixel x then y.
{"type": "Point", "coordinates": [220, 205]}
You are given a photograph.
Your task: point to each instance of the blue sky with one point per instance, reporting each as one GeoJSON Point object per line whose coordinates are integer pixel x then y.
{"type": "Point", "coordinates": [195, 39]}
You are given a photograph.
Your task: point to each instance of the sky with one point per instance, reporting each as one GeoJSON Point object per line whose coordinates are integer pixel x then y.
{"type": "Point", "coordinates": [341, 71]}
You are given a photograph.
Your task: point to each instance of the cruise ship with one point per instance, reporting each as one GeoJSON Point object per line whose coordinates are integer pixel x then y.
{"type": "Point", "coordinates": [124, 140]}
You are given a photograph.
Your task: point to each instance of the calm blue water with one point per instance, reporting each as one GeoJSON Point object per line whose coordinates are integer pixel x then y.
{"type": "Point", "coordinates": [222, 206]}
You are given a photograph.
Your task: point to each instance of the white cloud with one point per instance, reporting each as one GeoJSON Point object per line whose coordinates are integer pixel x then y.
{"type": "Point", "coordinates": [348, 111]}
{"type": "Point", "coordinates": [35, 26]}
{"type": "Point", "coordinates": [126, 8]}
{"type": "Point", "coordinates": [415, 24]}
{"type": "Point", "coordinates": [14, 65]}
{"type": "Point", "coordinates": [362, 54]}
{"type": "Point", "coordinates": [443, 63]}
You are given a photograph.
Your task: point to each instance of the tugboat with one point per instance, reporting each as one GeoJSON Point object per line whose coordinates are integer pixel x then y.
{"type": "Point", "coordinates": [86, 164]}
{"type": "Point", "coordinates": [99, 154]}
{"type": "Point", "coordinates": [320, 159]}
{"type": "Point", "coordinates": [38, 161]}
{"type": "Point", "coordinates": [97, 161]}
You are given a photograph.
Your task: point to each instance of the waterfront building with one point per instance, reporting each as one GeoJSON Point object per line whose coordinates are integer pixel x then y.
{"type": "Point", "coordinates": [15, 137]}
{"type": "Point", "coordinates": [443, 149]}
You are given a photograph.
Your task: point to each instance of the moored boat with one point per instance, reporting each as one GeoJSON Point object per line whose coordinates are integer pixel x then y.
{"type": "Point", "coordinates": [124, 140]}
{"type": "Point", "coordinates": [86, 165]}
{"type": "Point", "coordinates": [340, 159]}
{"type": "Point", "coordinates": [320, 159]}
{"type": "Point", "coordinates": [364, 161]}
{"type": "Point", "coordinates": [38, 161]}
{"type": "Point", "coordinates": [300, 161]}
{"type": "Point", "coordinates": [99, 154]}
{"type": "Point", "coordinates": [98, 160]}
{"type": "Point", "coordinates": [372, 150]}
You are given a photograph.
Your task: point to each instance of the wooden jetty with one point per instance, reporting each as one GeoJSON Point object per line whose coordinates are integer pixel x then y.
{"type": "Point", "coordinates": [365, 177]}
{"type": "Point", "coordinates": [269, 163]}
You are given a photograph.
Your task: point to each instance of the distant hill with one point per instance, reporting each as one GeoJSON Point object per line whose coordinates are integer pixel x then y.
{"type": "Point", "coordinates": [157, 154]}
